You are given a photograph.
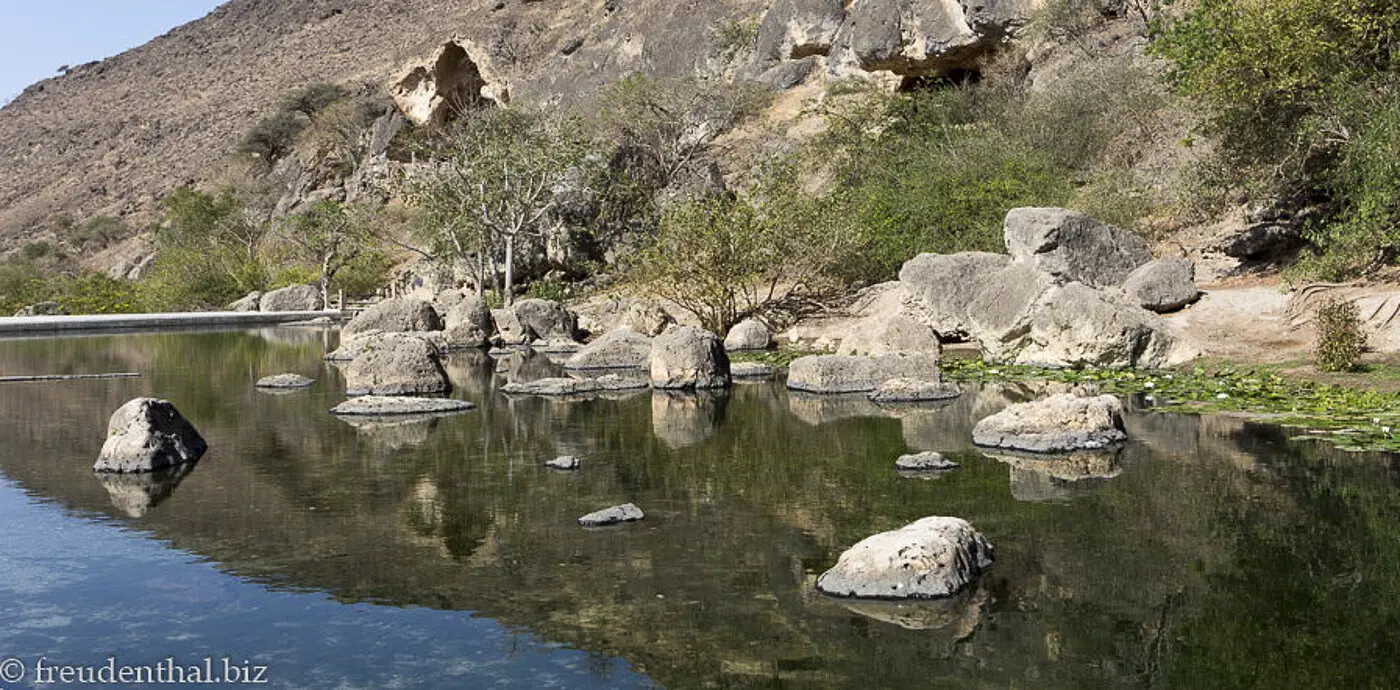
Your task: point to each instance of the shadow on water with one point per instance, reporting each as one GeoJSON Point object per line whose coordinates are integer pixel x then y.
{"type": "Point", "coordinates": [1207, 552]}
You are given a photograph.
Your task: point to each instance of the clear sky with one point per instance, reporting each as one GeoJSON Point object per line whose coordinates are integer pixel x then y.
{"type": "Point", "coordinates": [37, 36]}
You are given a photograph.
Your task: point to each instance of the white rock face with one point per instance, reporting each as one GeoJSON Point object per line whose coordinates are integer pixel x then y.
{"type": "Point", "coordinates": [930, 558]}
{"type": "Point", "coordinates": [457, 75]}
{"type": "Point", "coordinates": [147, 434]}
{"type": "Point", "coordinates": [1057, 424]}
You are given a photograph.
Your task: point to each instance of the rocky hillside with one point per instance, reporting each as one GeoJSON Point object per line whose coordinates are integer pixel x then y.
{"type": "Point", "coordinates": [112, 137]}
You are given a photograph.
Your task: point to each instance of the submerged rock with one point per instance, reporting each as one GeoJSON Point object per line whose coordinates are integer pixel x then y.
{"type": "Point", "coordinates": [930, 558]}
{"type": "Point", "coordinates": [284, 381]}
{"type": "Point", "coordinates": [1056, 424]}
{"type": "Point", "coordinates": [391, 406]}
{"type": "Point", "coordinates": [147, 434]}
{"type": "Point", "coordinates": [137, 494]}
{"type": "Point", "coordinates": [563, 462]}
{"type": "Point", "coordinates": [750, 371]}
{"type": "Point", "coordinates": [927, 461]}
{"type": "Point", "coordinates": [687, 357]}
{"type": "Point", "coordinates": [626, 512]}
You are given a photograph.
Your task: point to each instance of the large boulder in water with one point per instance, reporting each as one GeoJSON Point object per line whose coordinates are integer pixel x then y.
{"type": "Point", "coordinates": [688, 357]}
{"type": "Point", "coordinates": [930, 558]}
{"type": "Point", "coordinates": [394, 315]}
{"type": "Point", "coordinates": [622, 348]}
{"type": "Point", "coordinates": [467, 324]}
{"type": "Point", "coordinates": [1163, 285]}
{"type": "Point", "coordinates": [293, 298]}
{"type": "Point", "coordinates": [398, 364]}
{"type": "Point", "coordinates": [147, 434]}
{"type": "Point", "coordinates": [1073, 247]}
{"type": "Point", "coordinates": [1057, 424]}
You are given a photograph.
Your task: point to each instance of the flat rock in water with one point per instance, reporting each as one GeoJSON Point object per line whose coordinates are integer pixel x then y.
{"type": "Point", "coordinates": [285, 381]}
{"type": "Point", "coordinates": [563, 462]}
{"type": "Point", "coordinates": [388, 406]}
{"type": "Point", "coordinates": [146, 435]}
{"type": "Point", "coordinates": [626, 512]}
{"type": "Point", "coordinates": [925, 462]}
{"type": "Point", "coordinates": [568, 386]}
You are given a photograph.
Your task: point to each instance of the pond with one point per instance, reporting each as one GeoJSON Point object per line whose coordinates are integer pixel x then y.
{"type": "Point", "coordinates": [441, 553]}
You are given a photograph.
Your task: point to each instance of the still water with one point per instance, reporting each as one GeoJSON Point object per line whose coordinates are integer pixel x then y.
{"type": "Point", "coordinates": [439, 553]}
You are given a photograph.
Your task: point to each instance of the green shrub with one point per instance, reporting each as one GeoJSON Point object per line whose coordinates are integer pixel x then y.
{"type": "Point", "coordinates": [313, 98]}
{"type": "Point", "coordinates": [273, 136]}
{"type": "Point", "coordinates": [1339, 336]}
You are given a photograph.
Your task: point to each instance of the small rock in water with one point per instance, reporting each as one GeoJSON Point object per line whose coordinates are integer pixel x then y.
{"type": "Point", "coordinates": [563, 462]}
{"type": "Point", "coordinates": [750, 370]}
{"type": "Point", "coordinates": [285, 381]}
{"type": "Point", "coordinates": [626, 512]}
{"type": "Point", "coordinates": [384, 406]}
{"type": "Point", "coordinates": [913, 390]}
{"type": "Point", "coordinates": [930, 558]}
{"type": "Point", "coordinates": [925, 462]}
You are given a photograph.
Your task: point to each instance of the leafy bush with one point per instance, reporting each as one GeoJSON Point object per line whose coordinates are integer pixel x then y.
{"type": "Point", "coordinates": [273, 136]}
{"type": "Point", "coordinates": [1339, 336]}
{"type": "Point", "coordinates": [313, 98]}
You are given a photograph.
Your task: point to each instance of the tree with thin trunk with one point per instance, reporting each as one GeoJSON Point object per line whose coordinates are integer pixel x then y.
{"type": "Point", "coordinates": [329, 235]}
{"type": "Point", "coordinates": [490, 187]}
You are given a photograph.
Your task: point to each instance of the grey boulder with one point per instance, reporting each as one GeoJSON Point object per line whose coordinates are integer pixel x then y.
{"type": "Point", "coordinates": [399, 364]}
{"type": "Point", "coordinates": [563, 462]}
{"type": "Point", "coordinates": [849, 374]}
{"type": "Point", "coordinates": [748, 335]}
{"type": "Point", "coordinates": [750, 371]}
{"type": "Point", "coordinates": [293, 298]}
{"type": "Point", "coordinates": [147, 434]}
{"type": "Point", "coordinates": [546, 319]}
{"type": "Point", "coordinates": [687, 357]}
{"type": "Point", "coordinates": [285, 381]}
{"type": "Point", "coordinates": [626, 512]}
{"type": "Point", "coordinates": [945, 285]}
{"type": "Point", "coordinates": [571, 387]}
{"type": "Point", "coordinates": [1077, 326]}
{"type": "Point", "coordinates": [1057, 424]}
{"type": "Point", "coordinates": [930, 558]}
{"type": "Point", "coordinates": [394, 315]}
{"type": "Point", "coordinates": [1163, 285]}
{"type": "Point", "coordinates": [621, 348]}
{"type": "Point", "coordinates": [927, 461]}
{"type": "Point", "coordinates": [913, 391]}
{"type": "Point", "coordinates": [1073, 247]}
{"type": "Point", "coordinates": [395, 406]}
{"type": "Point", "coordinates": [249, 302]}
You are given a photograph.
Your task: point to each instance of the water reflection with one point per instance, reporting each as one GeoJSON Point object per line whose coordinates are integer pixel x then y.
{"type": "Point", "coordinates": [136, 494]}
{"type": "Point", "coordinates": [1202, 537]}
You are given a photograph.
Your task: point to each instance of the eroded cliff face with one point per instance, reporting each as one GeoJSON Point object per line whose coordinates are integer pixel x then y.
{"type": "Point", "coordinates": [113, 137]}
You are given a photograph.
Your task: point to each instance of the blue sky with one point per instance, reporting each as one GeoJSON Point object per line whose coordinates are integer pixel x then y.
{"type": "Point", "coordinates": [37, 37]}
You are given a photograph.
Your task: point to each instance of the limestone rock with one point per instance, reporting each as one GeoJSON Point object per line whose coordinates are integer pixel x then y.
{"type": "Point", "coordinates": [688, 357]}
{"type": "Point", "coordinates": [797, 29]}
{"type": "Point", "coordinates": [750, 371]}
{"type": "Point", "coordinates": [927, 461]}
{"type": "Point", "coordinates": [394, 315]}
{"type": "Point", "coordinates": [604, 314]}
{"type": "Point", "coordinates": [285, 381]}
{"type": "Point", "coordinates": [458, 75]}
{"type": "Point", "coordinates": [622, 348]}
{"type": "Point", "coordinates": [925, 37]}
{"type": "Point", "coordinates": [571, 387]}
{"type": "Point", "coordinates": [1163, 285]}
{"type": "Point", "coordinates": [748, 334]}
{"type": "Point", "coordinates": [1057, 424]}
{"type": "Point", "coordinates": [1073, 247]}
{"type": "Point", "coordinates": [546, 319]}
{"type": "Point", "coordinates": [945, 286]}
{"type": "Point", "coordinates": [395, 406]}
{"type": "Point", "coordinates": [147, 434]}
{"type": "Point", "coordinates": [930, 558]}
{"type": "Point", "coordinates": [354, 347]}
{"type": "Point", "coordinates": [1001, 310]}
{"type": "Point", "coordinates": [510, 330]}
{"type": "Point", "coordinates": [249, 302]}
{"type": "Point", "coordinates": [903, 332]}
{"type": "Point", "coordinates": [848, 374]}
{"type": "Point", "coordinates": [563, 462]}
{"type": "Point", "coordinates": [293, 298]}
{"type": "Point", "coordinates": [467, 324]}
{"type": "Point", "coordinates": [1076, 326]}
{"type": "Point", "coordinates": [626, 512]}
{"type": "Point", "coordinates": [399, 364]}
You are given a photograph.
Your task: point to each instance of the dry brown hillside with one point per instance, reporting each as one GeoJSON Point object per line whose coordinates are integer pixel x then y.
{"type": "Point", "coordinates": [111, 137]}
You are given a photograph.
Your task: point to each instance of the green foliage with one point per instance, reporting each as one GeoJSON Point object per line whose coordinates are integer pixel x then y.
{"type": "Point", "coordinates": [549, 288]}
{"type": "Point", "coordinates": [313, 98]}
{"type": "Point", "coordinates": [273, 136]}
{"type": "Point", "coordinates": [208, 253]}
{"type": "Point", "coordinates": [24, 282]}
{"type": "Point", "coordinates": [1339, 336]}
{"type": "Point", "coordinates": [1302, 95]}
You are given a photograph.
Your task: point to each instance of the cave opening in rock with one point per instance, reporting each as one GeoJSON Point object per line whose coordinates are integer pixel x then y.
{"type": "Point", "coordinates": [459, 83]}
{"type": "Point", "coordinates": [945, 79]}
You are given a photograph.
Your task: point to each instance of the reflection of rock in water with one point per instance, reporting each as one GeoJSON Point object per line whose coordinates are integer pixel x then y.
{"type": "Point", "coordinates": [523, 366]}
{"type": "Point", "coordinates": [470, 371]}
{"type": "Point", "coordinates": [685, 419]}
{"type": "Point", "coordinates": [294, 335]}
{"type": "Point", "coordinates": [816, 410]}
{"type": "Point", "coordinates": [400, 431]}
{"type": "Point", "coordinates": [137, 494]}
{"type": "Point", "coordinates": [1059, 477]}
{"type": "Point", "coordinates": [957, 615]}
